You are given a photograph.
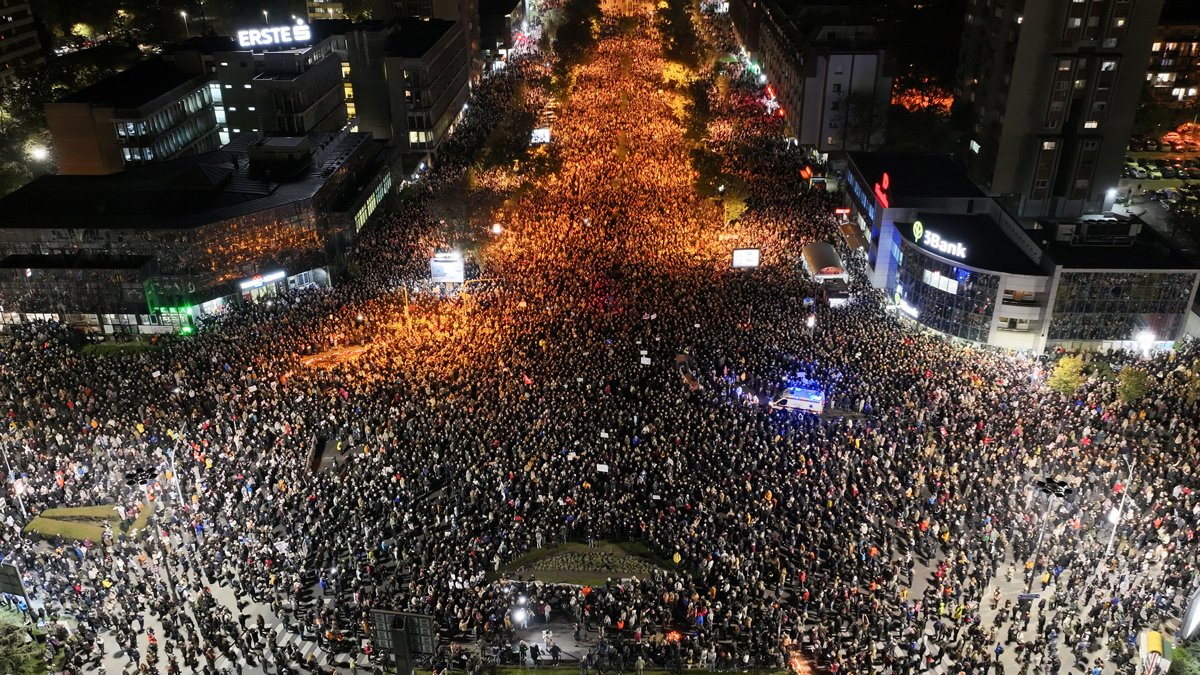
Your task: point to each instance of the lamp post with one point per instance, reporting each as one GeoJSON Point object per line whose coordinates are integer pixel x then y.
{"type": "Point", "coordinates": [1051, 488]}
{"type": "Point", "coordinates": [1116, 519]}
{"type": "Point", "coordinates": [265, 17]}
{"type": "Point", "coordinates": [186, 28]}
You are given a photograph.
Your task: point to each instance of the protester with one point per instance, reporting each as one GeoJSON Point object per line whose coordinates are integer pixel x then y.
{"type": "Point", "coordinates": [469, 426]}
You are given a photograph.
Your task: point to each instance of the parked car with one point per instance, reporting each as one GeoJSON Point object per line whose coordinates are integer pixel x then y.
{"type": "Point", "coordinates": [1154, 173]}
{"type": "Point", "coordinates": [1167, 172]}
{"type": "Point", "coordinates": [1138, 172]}
{"type": "Point", "coordinates": [1151, 145]}
{"type": "Point", "coordinates": [1137, 145]}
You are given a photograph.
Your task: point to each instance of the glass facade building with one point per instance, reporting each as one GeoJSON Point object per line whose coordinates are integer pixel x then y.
{"type": "Point", "coordinates": [951, 299]}
{"type": "Point", "coordinates": [1112, 305]}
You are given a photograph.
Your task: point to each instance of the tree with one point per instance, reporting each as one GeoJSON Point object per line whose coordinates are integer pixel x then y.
{"type": "Point", "coordinates": [20, 654]}
{"type": "Point", "coordinates": [1068, 375]}
{"type": "Point", "coordinates": [1133, 383]}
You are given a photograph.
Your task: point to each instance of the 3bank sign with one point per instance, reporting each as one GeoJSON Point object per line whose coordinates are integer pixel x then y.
{"type": "Point", "coordinates": [274, 35]}
{"type": "Point", "coordinates": [933, 241]}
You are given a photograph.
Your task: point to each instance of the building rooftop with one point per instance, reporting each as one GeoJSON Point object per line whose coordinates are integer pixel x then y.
{"type": "Point", "coordinates": [988, 247]}
{"type": "Point", "coordinates": [1180, 12]}
{"type": "Point", "coordinates": [133, 87]}
{"type": "Point", "coordinates": [179, 193]}
{"type": "Point", "coordinates": [207, 44]}
{"type": "Point", "coordinates": [415, 36]}
{"type": "Point", "coordinates": [1150, 250]}
{"type": "Point", "coordinates": [914, 176]}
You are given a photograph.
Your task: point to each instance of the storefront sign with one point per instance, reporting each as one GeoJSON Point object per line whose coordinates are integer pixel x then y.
{"type": "Point", "coordinates": [259, 280]}
{"type": "Point", "coordinates": [935, 242]}
{"type": "Point", "coordinates": [275, 35]}
{"type": "Point", "coordinates": [881, 190]}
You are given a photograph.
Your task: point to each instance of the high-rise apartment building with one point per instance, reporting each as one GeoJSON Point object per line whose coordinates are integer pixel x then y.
{"type": "Point", "coordinates": [1053, 88]}
{"type": "Point", "coordinates": [1174, 69]}
{"type": "Point", "coordinates": [19, 42]}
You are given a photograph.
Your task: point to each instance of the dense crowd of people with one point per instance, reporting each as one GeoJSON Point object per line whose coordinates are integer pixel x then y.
{"type": "Point", "coordinates": [468, 429]}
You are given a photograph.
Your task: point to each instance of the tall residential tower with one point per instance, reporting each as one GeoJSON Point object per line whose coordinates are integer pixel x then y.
{"type": "Point", "coordinates": [1053, 87]}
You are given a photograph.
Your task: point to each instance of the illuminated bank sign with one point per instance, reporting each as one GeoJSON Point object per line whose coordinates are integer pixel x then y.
{"type": "Point", "coordinates": [274, 36]}
{"type": "Point", "coordinates": [931, 240]}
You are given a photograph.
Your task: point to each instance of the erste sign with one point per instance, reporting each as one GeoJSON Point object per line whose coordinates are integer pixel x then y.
{"type": "Point", "coordinates": [274, 35]}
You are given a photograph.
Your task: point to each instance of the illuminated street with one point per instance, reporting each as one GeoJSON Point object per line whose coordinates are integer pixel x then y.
{"type": "Point", "coordinates": [575, 448]}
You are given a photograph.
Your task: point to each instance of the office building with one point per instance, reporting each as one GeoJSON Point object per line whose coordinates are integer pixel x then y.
{"type": "Point", "coordinates": [1174, 71]}
{"type": "Point", "coordinates": [954, 260]}
{"type": "Point", "coordinates": [829, 75]}
{"type": "Point", "coordinates": [1053, 88]}
{"type": "Point", "coordinates": [151, 248]}
{"type": "Point", "coordinates": [19, 43]}
{"type": "Point", "coordinates": [195, 98]}
{"type": "Point", "coordinates": [465, 12]}
{"type": "Point", "coordinates": [147, 113]}
{"type": "Point", "coordinates": [410, 80]}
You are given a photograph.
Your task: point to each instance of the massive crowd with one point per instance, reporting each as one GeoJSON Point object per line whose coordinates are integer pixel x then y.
{"type": "Point", "coordinates": [471, 428]}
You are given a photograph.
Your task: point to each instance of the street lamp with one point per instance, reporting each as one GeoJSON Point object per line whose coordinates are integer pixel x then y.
{"type": "Point", "coordinates": [1051, 488]}
{"type": "Point", "coordinates": [265, 19]}
{"type": "Point", "coordinates": [186, 28]}
{"type": "Point", "coordinates": [497, 228]}
{"type": "Point", "coordinates": [39, 154]}
{"type": "Point", "coordinates": [1145, 339]}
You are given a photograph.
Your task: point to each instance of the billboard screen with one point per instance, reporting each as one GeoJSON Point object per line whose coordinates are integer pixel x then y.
{"type": "Point", "coordinates": [541, 135]}
{"type": "Point", "coordinates": [446, 268]}
{"type": "Point", "coordinates": [745, 258]}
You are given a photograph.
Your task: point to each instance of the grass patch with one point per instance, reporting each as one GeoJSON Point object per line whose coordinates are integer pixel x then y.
{"type": "Point", "coordinates": [575, 563]}
{"type": "Point", "coordinates": [84, 522]}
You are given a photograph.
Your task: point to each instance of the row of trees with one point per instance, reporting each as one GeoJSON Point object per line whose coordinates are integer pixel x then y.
{"type": "Point", "coordinates": [1133, 382]}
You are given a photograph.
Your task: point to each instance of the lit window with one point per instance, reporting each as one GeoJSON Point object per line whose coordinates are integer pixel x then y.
{"type": "Point", "coordinates": [1156, 47]}
{"type": "Point", "coordinates": [1063, 65]}
{"type": "Point", "coordinates": [1091, 124]}
{"type": "Point", "coordinates": [1121, 24]}
{"type": "Point", "coordinates": [975, 147]}
{"type": "Point", "coordinates": [1108, 65]}
{"type": "Point", "coordinates": [1020, 19]}
{"type": "Point", "coordinates": [223, 63]}
{"type": "Point", "coordinates": [251, 108]}
{"type": "Point", "coordinates": [1074, 22]}
{"type": "Point", "coordinates": [229, 86]}
{"type": "Point", "coordinates": [245, 86]}
{"type": "Point", "coordinates": [1049, 145]}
